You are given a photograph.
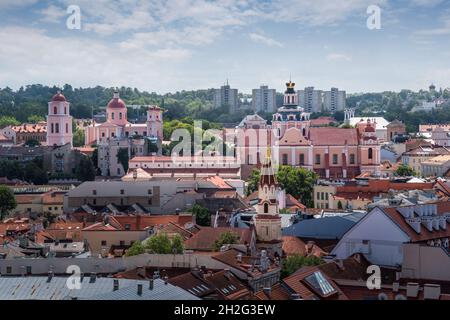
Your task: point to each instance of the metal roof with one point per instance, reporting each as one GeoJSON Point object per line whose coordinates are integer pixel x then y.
{"type": "Point", "coordinates": [40, 288]}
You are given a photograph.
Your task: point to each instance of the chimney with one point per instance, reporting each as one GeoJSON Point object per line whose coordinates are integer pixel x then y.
{"type": "Point", "coordinates": [412, 289]}
{"type": "Point", "coordinates": [166, 278]}
{"type": "Point", "coordinates": [139, 289]}
{"type": "Point", "coordinates": [239, 257]}
{"type": "Point", "coordinates": [93, 277]}
{"type": "Point", "coordinates": [50, 276]}
{"type": "Point", "coordinates": [431, 291]}
{"type": "Point", "coordinates": [116, 285]}
{"type": "Point", "coordinates": [150, 284]}
{"type": "Point", "coordinates": [395, 286]}
{"type": "Point", "coordinates": [268, 292]}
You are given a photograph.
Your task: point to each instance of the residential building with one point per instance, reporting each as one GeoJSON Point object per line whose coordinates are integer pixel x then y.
{"type": "Point", "coordinates": [381, 234]}
{"type": "Point", "coordinates": [441, 136]}
{"type": "Point", "coordinates": [264, 99]}
{"type": "Point", "coordinates": [25, 132]}
{"type": "Point", "coordinates": [395, 129]}
{"type": "Point", "coordinates": [436, 166]}
{"type": "Point", "coordinates": [310, 100]}
{"type": "Point", "coordinates": [415, 157]}
{"type": "Point", "coordinates": [379, 122]}
{"type": "Point", "coordinates": [334, 100]}
{"type": "Point", "coordinates": [226, 96]}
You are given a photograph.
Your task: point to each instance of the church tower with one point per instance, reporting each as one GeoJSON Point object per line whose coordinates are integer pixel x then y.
{"type": "Point", "coordinates": [59, 121]}
{"type": "Point", "coordinates": [267, 220]}
{"type": "Point", "coordinates": [155, 122]}
{"type": "Point", "coordinates": [290, 99]}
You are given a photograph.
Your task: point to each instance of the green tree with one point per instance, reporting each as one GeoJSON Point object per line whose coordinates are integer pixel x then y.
{"type": "Point", "coordinates": [35, 174]}
{"type": "Point", "coordinates": [404, 170]}
{"type": "Point", "coordinates": [227, 237]}
{"type": "Point", "coordinates": [32, 143]}
{"type": "Point", "coordinates": [177, 244]}
{"type": "Point", "coordinates": [7, 201]}
{"type": "Point", "coordinates": [292, 263]}
{"type": "Point", "coordinates": [78, 138]}
{"type": "Point", "coordinates": [159, 243]}
{"type": "Point", "coordinates": [8, 121]}
{"type": "Point", "coordinates": [339, 205]}
{"type": "Point", "coordinates": [253, 181]}
{"type": "Point", "coordinates": [202, 215]}
{"type": "Point", "coordinates": [299, 182]}
{"type": "Point", "coordinates": [136, 249]}
{"type": "Point", "coordinates": [85, 170]}
{"type": "Point", "coordinates": [35, 119]}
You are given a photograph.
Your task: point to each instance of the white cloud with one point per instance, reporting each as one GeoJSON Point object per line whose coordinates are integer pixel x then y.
{"type": "Point", "coordinates": [339, 57]}
{"type": "Point", "coordinates": [8, 4]}
{"type": "Point", "coordinates": [259, 38]}
{"type": "Point", "coordinates": [52, 14]}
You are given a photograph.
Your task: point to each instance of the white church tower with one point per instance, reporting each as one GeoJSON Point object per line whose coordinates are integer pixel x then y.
{"type": "Point", "coordinates": [59, 121]}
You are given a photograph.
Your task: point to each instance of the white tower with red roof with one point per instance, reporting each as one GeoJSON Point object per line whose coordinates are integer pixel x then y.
{"type": "Point", "coordinates": [59, 121]}
{"type": "Point", "coordinates": [267, 221]}
{"type": "Point", "coordinates": [155, 122]}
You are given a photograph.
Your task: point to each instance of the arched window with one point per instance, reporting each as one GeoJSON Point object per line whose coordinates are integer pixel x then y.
{"type": "Point", "coordinates": [304, 132]}
{"type": "Point", "coordinates": [266, 207]}
{"type": "Point", "coordinates": [65, 110]}
{"type": "Point", "coordinates": [370, 153]}
{"type": "Point", "coordinates": [67, 128]}
{"type": "Point", "coordinates": [57, 127]}
{"type": "Point", "coordinates": [112, 115]}
{"type": "Point", "coordinates": [53, 128]}
{"type": "Point", "coordinates": [120, 115]}
{"type": "Point", "coordinates": [55, 110]}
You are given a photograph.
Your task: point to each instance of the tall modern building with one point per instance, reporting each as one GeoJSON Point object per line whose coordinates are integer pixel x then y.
{"type": "Point", "coordinates": [310, 100]}
{"type": "Point", "coordinates": [225, 96]}
{"type": "Point", "coordinates": [334, 100]}
{"type": "Point", "coordinates": [264, 99]}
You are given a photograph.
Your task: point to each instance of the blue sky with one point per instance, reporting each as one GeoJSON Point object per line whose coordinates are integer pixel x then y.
{"type": "Point", "coordinates": [170, 45]}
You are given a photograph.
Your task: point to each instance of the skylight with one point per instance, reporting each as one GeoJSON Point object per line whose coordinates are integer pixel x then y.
{"type": "Point", "coordinates": [321, 285]}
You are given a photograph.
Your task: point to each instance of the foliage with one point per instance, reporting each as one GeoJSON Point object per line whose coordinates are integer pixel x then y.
{"type": "Point", "coordinates": [35, 118]}
{"type": "Point", "coordinates": [136, 249]}
{"type": "Point", "coordinates": [227, 237]}
{"type": "Point", "coordinates": [7, 201]}
{"type": "Point", "coordinates": [32, 143]}
{"type": "Point", "coordinates": [299, 182]}
{"type": "Point", "coordinates": [32, 172]}
{"type": "Point", "coordinates": [339, 205]}
{"type": "Point", "coordinates": [292, 263]}
{"type": "Point", "coordinates": [8, 121]}
{"type": "Point", "coordinates": [202, 215]}
{"type": "Point", "coordinates": [85, 170]}
{"type": "Point", "coordinates": [159, 243]}
{"type": "Point", "coordinates": [122, 156]}
{"type": "Point", "coordinates": [404, 170]}
{"type": "Point", "coordinates": [78, 137]}
{"type": "Point", "coordinates": [253, 181]}
{"type": "Point", "coordinates": [177, 244]}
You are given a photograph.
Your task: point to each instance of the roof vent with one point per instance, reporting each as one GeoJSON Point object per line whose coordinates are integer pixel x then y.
{"type": "Point", "coordinates": [139, 289]}
{"type": "Point", "coordinates": [150, 284]}
{"type": "Point", "coordinates": [116, 285]}
{"type": "Point", "coordinates": [431, 291]}
{"type": "Point", "coordinates": [412, 289]}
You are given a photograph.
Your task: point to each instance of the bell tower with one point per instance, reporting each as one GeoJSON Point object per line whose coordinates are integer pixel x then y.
{"type": "Point", "coordinates": [59, 121]}
{"type": "Point", "coordinates": [155, 122]}
{"type": "Point", "coordinates": [267, 220]}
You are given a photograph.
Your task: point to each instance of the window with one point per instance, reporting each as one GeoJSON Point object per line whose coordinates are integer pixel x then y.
{"type": "Point", "coordinates": [320, 284]}
{"type": "Point", "coordinates": [28, 269]}
{"type": "Point", "coordinates": [266, 208]}
{"type": "Point", "coordinates": [322, 196]}
{"type": "Point", "coordinates": [302, 159]}
{"type": "Point", "coordinates": [150, 201]}
{"type": "Point", "coordinates": [103, 243]}
{"type": "Point", "coordinates": [57, 127]}
{"type": "Point", "coordinates": [94, 192]}
{"type": "Point", "coordinates": [55, 110]}
{"type": "Point", "coordinates": [318, 195]}
{"type": "Point", "coordinates": [127, 226]}
{"type": "Point", "coordinates": [8, 269]}
{"type": "Point", "coordinates": [122, 191]}
{"type": "Point", "coordinates": [65, 110]}
{"type": "Point", "coordinates": [285, 159]}
{"type": "Point", "coordinates": [67, 128]}
{"type": "Point", "coordinates": [149, 191]}
{"type": "Point", "coordinates": [317, 158]}
{"type": "Point", "coordinates": [352, 158]}
{"type": "Point", "coordinates": [370, 153]}
{"type": "Point", "coordinates": [118, 170]}
{"type": "Point", "coordinates": [335, 158]}
{"type": "Point", "coordinates": [120, 115]}
{"type": "Point", "coordinates": [326, 195]}
{"type": "Point", "coordinates": [53, 128]}
{"type": "Point", "coordinates": [94, 201]}
{"type": "Point", "coordinates": [112, 115]}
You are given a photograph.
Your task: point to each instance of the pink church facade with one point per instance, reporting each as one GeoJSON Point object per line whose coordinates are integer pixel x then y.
{"type": "Point", "coordinates": [333, 153]}
{"type": "Point", "coordinates": [117, 125]}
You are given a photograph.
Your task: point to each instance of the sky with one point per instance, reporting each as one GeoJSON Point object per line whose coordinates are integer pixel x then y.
{"type": "Point", "coordinates": [171, 45]}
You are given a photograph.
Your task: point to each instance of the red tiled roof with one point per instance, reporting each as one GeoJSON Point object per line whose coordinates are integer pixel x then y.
{"type": "Point", "coordinates": [277, 292]}
{"type": "Point", "coordinates": [294, 246]}
{"type": "Point", "coordinates": [328, 136]}
{"type": "Point", "coordinates": [425, 235]}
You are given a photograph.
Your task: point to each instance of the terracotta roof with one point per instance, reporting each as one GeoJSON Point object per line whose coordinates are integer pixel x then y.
{"type": "Point", "coordinates": [277, 292]}
{"type": "Point", "coordinates": [30, 128]}
{"type": "Point", "coordinates": [227, 285]}
{"type": "Point", "coordinates": [194, 283]}
{"type": "Point", "coordinates": [59, 97]}
{"type": "Point", "coordinates": [424, 235]}
{"type": "Point", "coordinates": [328, 136]}
{"type": "Point", "coordinates": [294, 246]}
{"type": "Point", "coordinates": [204, 239]}
{"type": "Point", "coordinates": [292, 202]}
{"type": "Point", "coordinates": [297, 284]}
